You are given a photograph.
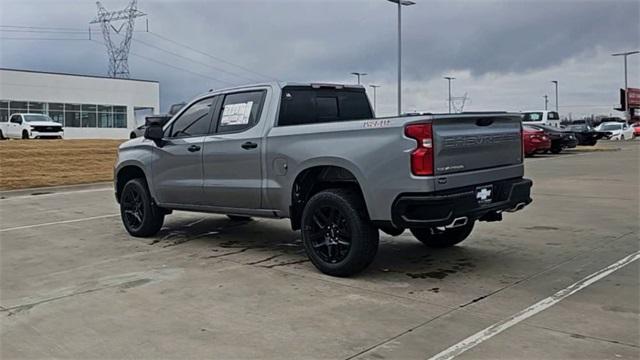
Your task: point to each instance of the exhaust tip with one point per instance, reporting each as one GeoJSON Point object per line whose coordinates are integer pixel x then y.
{"type": "Point", "coordinates": [458, 222]}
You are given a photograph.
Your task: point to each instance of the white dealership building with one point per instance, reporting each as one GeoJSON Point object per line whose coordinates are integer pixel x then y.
{"type": "Point", "coordinates": [89, 107]}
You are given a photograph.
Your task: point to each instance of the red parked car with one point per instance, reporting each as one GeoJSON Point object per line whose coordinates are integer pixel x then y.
{"type": "Point", "coordinates": [636, 128]}
{"type": "Point", "coordinates": [535, 141]}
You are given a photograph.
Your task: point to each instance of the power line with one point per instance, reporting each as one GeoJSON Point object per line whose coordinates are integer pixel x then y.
{"type": "Point", "coordinates": [211, 56]}
{"type": "Point", "coordinates": [41, 27]}
{"type": "Point", "coordinates": [46, 31]}
{"type": "Point", "coordinates": [192, 60]}
{"type": "Point", "coordinates": [162, 37]}
{"type": "Point", "coordinates": [134, 54]}
{"type": "Point", "coordinates": [173, 66]}
{"type": "Point", "coordinates": [32, 38]}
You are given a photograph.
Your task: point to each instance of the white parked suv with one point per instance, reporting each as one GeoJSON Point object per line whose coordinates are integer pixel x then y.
{"type": "Point", "coordinates": [618, 130]}
{"type": "Point", "coordinates": [30, 126]}
{"type": "Point", "coordinates": [541, 117]}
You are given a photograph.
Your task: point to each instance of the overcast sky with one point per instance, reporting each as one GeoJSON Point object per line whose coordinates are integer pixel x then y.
{"type": "Point", "coordinates": [503, 53]}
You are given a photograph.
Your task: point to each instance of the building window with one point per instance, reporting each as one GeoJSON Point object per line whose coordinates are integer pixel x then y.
{"type": "Point", "coordinates": [105, 116]}
{"type": "Point", "coordinates": [72, 118]}
{"type": "Point", "coordinates": [120, 116]}
{"type": "Point", "coordinates": [89, 115]}
{"type": "Point", "coordinates": [36, 107]}
{"type": "Point", "coordinates": [70, 115]}
{"type": "Point", "coordinates": [4, 111]}
{"type": "Point", "coordinates": [56, 112]}
{"type": "Point", "coordinates": [18, 106]}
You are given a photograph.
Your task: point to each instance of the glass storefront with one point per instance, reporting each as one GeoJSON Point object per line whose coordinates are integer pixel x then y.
{"type": "Point", "coordinates": [70, 115]}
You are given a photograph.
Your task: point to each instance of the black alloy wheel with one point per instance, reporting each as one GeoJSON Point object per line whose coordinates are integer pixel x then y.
{"type": "Point", "coordinates": [133, 207]}
{"type": "Point", "coordinates": [140, 216]}
{"type": "Point", "coordinates": [330, 234]}
{"type": "Point", "coordinates": [337, 234]}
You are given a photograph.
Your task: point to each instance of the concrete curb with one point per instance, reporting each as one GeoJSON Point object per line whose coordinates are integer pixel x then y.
{"type": "Point", "coordinates": [54, 189]}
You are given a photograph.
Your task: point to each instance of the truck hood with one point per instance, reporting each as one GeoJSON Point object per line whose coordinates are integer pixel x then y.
{"type": "Point", "coordinates": [44, 123]}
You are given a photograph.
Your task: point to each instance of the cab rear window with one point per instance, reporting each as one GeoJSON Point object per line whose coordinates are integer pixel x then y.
{"type": "Point", "coordinates": [306, 105]}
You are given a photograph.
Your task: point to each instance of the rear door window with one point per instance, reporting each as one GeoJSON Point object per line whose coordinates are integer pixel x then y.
{"type": "Point", "coordinates": [240, 111]}
{"type": "Point", "coordinates": [302, 105]}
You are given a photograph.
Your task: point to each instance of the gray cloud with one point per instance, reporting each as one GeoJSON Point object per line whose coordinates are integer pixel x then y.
{"type": "Point", "coordinates": [326, 40]}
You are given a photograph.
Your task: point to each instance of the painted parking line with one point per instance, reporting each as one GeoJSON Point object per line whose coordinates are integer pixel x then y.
{"type": "Point", "coordinates": [542, 305]}
{"type": "Point", "coordinates": [59, 222]}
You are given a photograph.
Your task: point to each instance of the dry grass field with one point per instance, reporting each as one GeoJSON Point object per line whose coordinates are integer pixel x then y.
{"type": "Point", "coordinates": [35, 163]}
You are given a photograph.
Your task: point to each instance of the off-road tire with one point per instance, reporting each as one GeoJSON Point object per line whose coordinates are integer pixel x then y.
{"type": "Point", "coordinates": [348, 218]}
{"type": "Point", "coordinates": [436, 238]}
{"type": "Point", "coordinates": [150, 218]}
{"type": "Point", "coordinates": [25, 135]}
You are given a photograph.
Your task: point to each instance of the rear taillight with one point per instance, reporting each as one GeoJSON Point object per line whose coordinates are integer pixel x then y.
{"type": "Point", "coordinates": [422, 156]}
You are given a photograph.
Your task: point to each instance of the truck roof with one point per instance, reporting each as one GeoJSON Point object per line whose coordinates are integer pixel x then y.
{"type": "Point", "coordinates": [282, 84]}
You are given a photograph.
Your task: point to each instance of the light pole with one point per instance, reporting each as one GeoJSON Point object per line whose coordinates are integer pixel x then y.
{"type": "Point", "coordinates": [546, 102]}
{"type": "Point", "coordinates": [400, 3]}
{"type": "Point", "coordinates": [449, 78]}
{"type": "Point", "coordinates": [626, 84]}
{"type": "Point", "coordinates": [358, 74]}
{"type": "Point", "coordinates": [557, 107]}
{"type": "Point", "coordinates": [375, 107]}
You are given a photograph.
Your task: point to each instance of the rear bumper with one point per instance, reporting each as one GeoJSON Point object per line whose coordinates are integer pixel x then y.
{"type": "Point", "coordinates": [442, 208]}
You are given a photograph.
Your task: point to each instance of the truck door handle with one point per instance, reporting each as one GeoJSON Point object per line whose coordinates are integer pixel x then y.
{"type": "Point", "coordinates": [249, 145]}
{"type": "Point", "coordinates": [193, 148]}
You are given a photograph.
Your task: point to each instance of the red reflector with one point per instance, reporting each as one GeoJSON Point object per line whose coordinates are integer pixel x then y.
{"type": "Point", "coordinates": [422, 156]}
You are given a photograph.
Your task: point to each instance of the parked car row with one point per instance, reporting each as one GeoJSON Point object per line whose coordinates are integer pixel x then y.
{"type": "Point", "coordinates": [617, 130]}
{"type": "Point", "coordinates": [546, 139]}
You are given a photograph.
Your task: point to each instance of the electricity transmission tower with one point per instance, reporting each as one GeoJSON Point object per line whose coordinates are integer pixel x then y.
{"type": "Point", "coordinates": [458, 102]}
{"type": "Point", "coordinates": [118, 51]}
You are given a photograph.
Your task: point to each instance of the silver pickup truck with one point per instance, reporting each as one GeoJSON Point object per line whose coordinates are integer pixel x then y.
{"type": "Point", "coordinates": [316, 154]}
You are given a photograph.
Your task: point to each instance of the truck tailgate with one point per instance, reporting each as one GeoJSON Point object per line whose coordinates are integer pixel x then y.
{"type": "Point", "coordinates": [476, 142]}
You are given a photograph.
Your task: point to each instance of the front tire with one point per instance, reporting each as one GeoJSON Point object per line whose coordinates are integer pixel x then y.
{"type": "Point", "coordinates": [25, 135]}
{"type": "Point", "coordinates": [556, 150]}
{"type": "Point", "coordinates": [438, 238]}
{"type": "Point", "coordinates": [140, 216]}
{"type": "Point", "coordinates": [337, 235]}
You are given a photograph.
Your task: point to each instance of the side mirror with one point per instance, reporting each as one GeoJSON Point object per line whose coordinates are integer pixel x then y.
{"type": "Point", "coordinates": [154, 132]}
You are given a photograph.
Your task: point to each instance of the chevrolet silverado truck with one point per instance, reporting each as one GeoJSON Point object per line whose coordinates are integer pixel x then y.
{"type": "Point", "coordinates": [315, 154]}
{"type": "Point", "coordinates": [30, 126]}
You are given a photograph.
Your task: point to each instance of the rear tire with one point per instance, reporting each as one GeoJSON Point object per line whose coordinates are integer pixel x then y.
{"type": "Point", "coordinates": [337, 235]}
{"type": "Point", "coordinates": [239, 218]}
{"type": "Point", "coordinates": [437, 238]}
{"type": "Point", "coordinates": [2, 135]}
{"type": "Point", "coordinates": [132, 135]}
{"type": "Point", "coordinates": [140, 216]}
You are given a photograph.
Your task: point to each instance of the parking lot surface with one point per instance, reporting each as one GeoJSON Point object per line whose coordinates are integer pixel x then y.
{"type": "Point", "coordinates": [75, 285]}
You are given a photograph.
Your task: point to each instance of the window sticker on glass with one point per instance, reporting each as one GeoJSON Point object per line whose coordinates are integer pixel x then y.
{"type": "Point", "coordinates": [236, 114]}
